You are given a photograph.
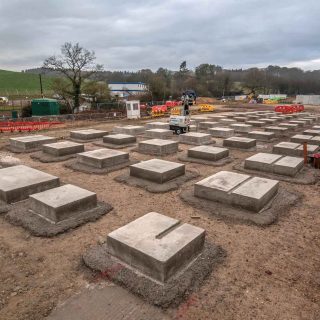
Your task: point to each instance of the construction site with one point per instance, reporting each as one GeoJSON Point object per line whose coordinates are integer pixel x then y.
{"type": "Point", "coordinates": [202, 212]}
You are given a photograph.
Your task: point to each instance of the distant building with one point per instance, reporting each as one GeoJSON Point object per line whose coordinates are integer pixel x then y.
{"type": "Point", "coordinates": [126, 89]}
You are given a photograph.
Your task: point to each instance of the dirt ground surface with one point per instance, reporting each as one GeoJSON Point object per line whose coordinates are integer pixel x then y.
{"type": "Point", "coordinates": [268, 273]}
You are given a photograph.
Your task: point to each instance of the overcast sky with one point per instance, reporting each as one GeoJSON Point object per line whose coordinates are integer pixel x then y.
{"type": "Point", "coordinates": [136, 34]}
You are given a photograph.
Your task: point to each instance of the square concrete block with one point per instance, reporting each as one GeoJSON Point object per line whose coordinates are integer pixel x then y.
{"type": "Point", "coordinates": [18, 182]}
{"type": "Point", "coordinates": [207, 124]}
{"type": "Point", "coordinates": [64, 148]}
{"type": "Point", "coordinates": [268, 121]}
{"type": "Point", "coordinates": [102, 158]}
{"type": "Point", "coordinates": [195, 138]}
{"type": "Point", "coordinates": [193, 128]}
{"type": "Point", "coordinates": [288, 166]}
{"type": "Point", "coordinates": [198, 119]}
{"type": "Point", "coordinates": [312, 132]}
{"type": "Point", "coordinates": [278, 131]}
{"type": "Point", "coordinates": [157, 125]}
{"type": "Point", "coordinates": [221, 132]}
{"type": "Point", "coordinates": [299, 122]}
{"type": "Point", "coordinates": [87, 134]}
{"type": "Point", "coordinates": [158, 146]}
{"type": "Point", "coordinates": [159, 133]}
{"type": "Point", "coordinates": [62, 203]}
{"type": "Point", "coordinates": [30, 142]}
{"type": "Point", "coordinates": [119, 139]}
{"type": "Point", "coordinates": [156, 245]}
{"type": "Point", "coordinates": [239, 142]}
{"type": "Point", "coordinates": [307, 120]}
{"type": "Point", "coordinates": [261, 135]}
{"type": "Point", "coordinates": [286, 148]}
{"type": "Point", "coordinates": [227, 121]}
{"type": "Point", "coordinates": [255, 193]}
{"type": "Point", "coordinates": [316, 127]}
{"type": "Point", "coordinates": [130, 130]}
{"type": "Point", "coordinates": [311, 148]}
{"type": "Point", "coordinates": [315, 140]}
{"type": "Point", "coordinates": [157, 170]}
{"type": "Point", "coordinates": [241, 119]}
{"type": "Point", "coordinates": [256, 123]}
{"type": "Point", "coordinates": [300, 138]}
{"type": "Point", "coordinates": [208, 153]}
{"type": "Point", "coordinates": [290, 126]}
{"type": "Point", "coordinates": [261, 162]}
{"type": "Point", "coordinates": [218, 187]}
{"type": "Point", "coordinates": [216, 117]}
{"type": "Point", "coordinates": [241, 127]}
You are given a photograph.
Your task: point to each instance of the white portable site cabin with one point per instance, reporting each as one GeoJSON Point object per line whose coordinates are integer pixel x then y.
{"type": "Point", "coordinates": [133, 109]}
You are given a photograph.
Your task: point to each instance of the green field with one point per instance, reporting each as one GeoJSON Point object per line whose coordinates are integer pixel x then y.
{"type": "Point", "coordinates": [22, 84]}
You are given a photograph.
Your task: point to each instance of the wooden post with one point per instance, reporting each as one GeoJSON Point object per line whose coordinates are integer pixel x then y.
{"type": "Point", "coordinates": [305, 152]}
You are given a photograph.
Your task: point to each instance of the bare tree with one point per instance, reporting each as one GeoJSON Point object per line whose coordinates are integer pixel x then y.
{"type": "Point", "coordinates": [76, 64]}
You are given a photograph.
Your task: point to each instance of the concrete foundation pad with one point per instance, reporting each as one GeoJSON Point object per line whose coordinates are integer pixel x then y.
{"type": "Point", "coordinates": [299, 122]}
{"type": "Point", "coordinates": [119, 139]}
{"type": "Point", "coordinates": [300, 138]}
{"type": "Point", "coordinates": [256, 123]}
{"type": "Point", "coordinates": [215, 117]}
{"type": "Point", "coordinates": [155, 187]}
{"type": "Point", "coordinates": [130, 130]}
{"type": "Point", "coordinates": [312, 132]}
{"type": "Point", "coordinates": [64, 148]}
{"type": "Point", "coordinates": [168, 294]}
{"type": "Point", "coordinates": [62, 203]}
{"type": "Point", "coordinates": [278, 131]}
{"type": "Point", "coordinates": [157, 125]}
{"type": "Point", "coordinates": [241, 128]}
{"type": "Point", "coordinates": [255, 193]}
{"type": "Point", "coordinates": [29, 143]}
{"type": "Point", "coordinates": [218, 186]}
{"type": "Point", "coordinates": [288, 166]}
{"type": "Point", "coordinates": [18, 182]}
{"type": "Point", "coordinates": [293, 149]}
{"type": "Point", "coordinates": [159, 134]}
{"type": "Point", "coordinates": [156, 245]}
{"type": "Point", "coordinates": [261, 162]}
{"type": "Point", "coordinates": [279, 206]}
{"type": "Point", "coordinates": [207, 124]}
{"type": "Point", "coordinates": [268, 121]}
{"type": "Point", "coordinates": [239, 143]}
{"type": "Point", "coordinates": [315, 140]}
{"type": "Point", "coordinates": [289, 126]}
{"type": "Point", "coordinates": [19, 215]}
{"type": "Point", "coordinates": [102, 158]}
{"type": "Point", "coordinates": [158, 147]}
{"type": "Point", "coordinates": [227, 122]}
{"type": "Point", "coordinates": [237, 190]}
{"type": "Point", "coordinates": [241, 119]}
{"type": "Point", "coordinates": [261, 135]}
{"type": "Point", "coordinates": [221, 132]}
{"type": "Point", "coordinates": [208, 153]}
{"type": "Point", "coordinates": [195, 138]}
{"type": "Point", "coordinates": [87, 134]}
{"type": "Point", "coordinates": [157, 170]}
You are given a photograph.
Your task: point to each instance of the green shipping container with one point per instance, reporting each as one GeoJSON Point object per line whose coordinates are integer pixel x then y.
{"type": "Point", "coordinates": [45, 107]}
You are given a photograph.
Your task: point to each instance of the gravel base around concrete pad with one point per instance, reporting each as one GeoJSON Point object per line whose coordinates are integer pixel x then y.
{"type": "Point", "coordinates": [75, 165]}
{"type": "Point", "coordinates": [153, 187]}
{"type": "Point", "coordinates": [217, 163]}
{"type": "Point", "coordinates": [47, 158]}
{"type": "Point", "coordinates": [169, 294]}
{"type": "Point", "coordinates": [114, 146]}
{"type": "Point", "coordinates": [19, 215]}
{"type": "Point", "coordinates": [4, 208]}
{"type": "Point", "coordinates": [305, 176]}
{"type": "Point", "coordinates": [267, 216]}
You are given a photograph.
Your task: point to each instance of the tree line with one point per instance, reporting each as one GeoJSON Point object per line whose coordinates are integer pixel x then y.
{"type": "Point", "coordinates": [81, 75]}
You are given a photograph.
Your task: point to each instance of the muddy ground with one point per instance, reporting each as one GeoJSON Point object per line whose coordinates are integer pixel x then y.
{"type": "Point", "coordinates": [268, 273]}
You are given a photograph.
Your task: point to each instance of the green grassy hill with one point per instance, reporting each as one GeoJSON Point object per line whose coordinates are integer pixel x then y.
{"type": "Point", "coordinates": [20, 83]}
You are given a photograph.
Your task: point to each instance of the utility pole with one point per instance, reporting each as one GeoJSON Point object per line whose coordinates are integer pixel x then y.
{"type": "Point", "coordinates": [41, 89]}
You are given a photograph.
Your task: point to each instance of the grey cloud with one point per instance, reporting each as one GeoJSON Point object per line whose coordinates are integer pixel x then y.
{"type": "Point", "coordinates": [135, 34]}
